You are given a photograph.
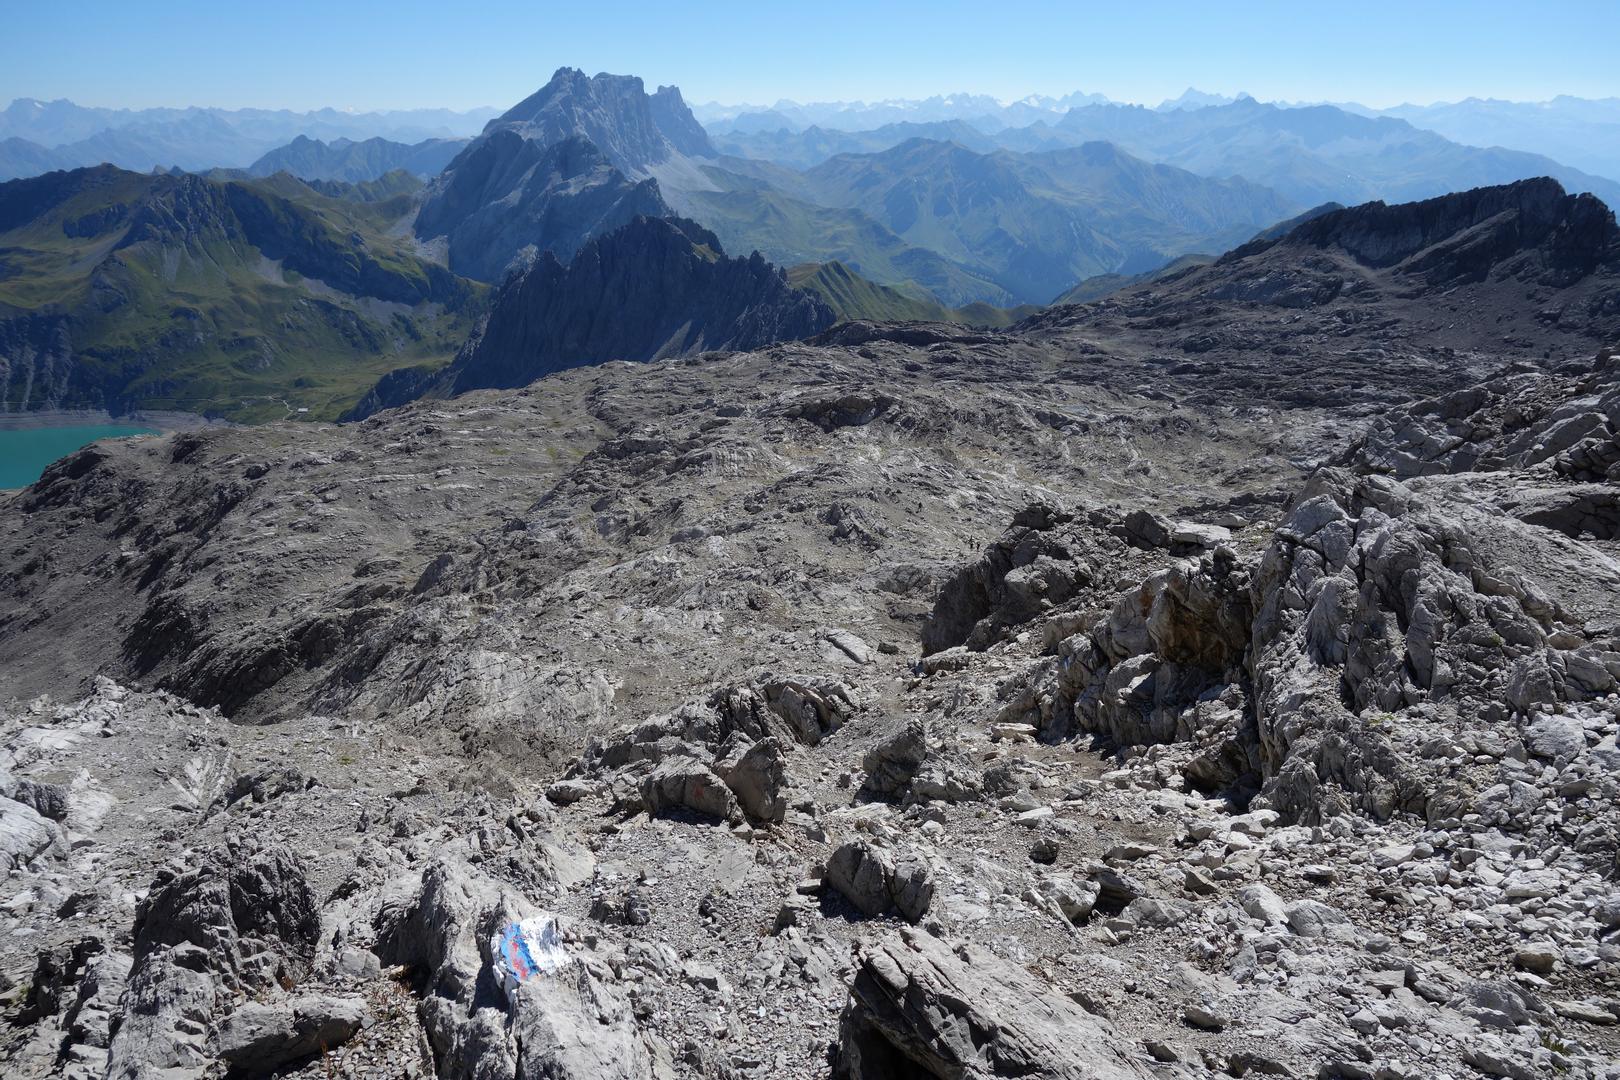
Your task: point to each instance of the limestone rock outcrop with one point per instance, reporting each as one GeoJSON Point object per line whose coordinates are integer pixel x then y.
{"type": "Point", "coordinates": [919, 1007]}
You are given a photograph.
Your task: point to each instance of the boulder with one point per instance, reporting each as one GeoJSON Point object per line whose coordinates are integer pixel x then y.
{"type": "Point", "coordinates": [891, 764]}
{"type": "Point", "coordinates": [804, 708]}
{"type": "Point", "coordinates": [1259, 902]}
{"type": "Point", "coordinates": [1073, 900]}
{"type": "Point", "coordinates": [687, 784]}
{"type": "Point", "coordinates": [258, 1038]}
{"type": "Point", "coordinates": [25, 834]}
{"type": "Point", "coordinates": [905, 768]}
{"type": "Point", "coordinates": [1314, 919]}
{"type": "Point", "coordinates": [877, 879]}
{"type": "Point", "coordinates": [759, 779]}
{"type": "Point", "coordinates": [47, 800]}
{"type": "Point", "coordinates": [849, 645]}
{"type": "Point", "coordinates": [920, 1007]}
{"type": "Point", "coordinates": [1555, 738]}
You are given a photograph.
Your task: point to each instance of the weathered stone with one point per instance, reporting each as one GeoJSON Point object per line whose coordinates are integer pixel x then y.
{"type": "Point", "coordinates": [571, 1024]}
{"type": "Point", "coordinates": [918, 1007]}
{"type": "Point", "coordinates": [759, 780]}
{"type": "Point", "coordinates": [257, 1038]}
{"type": "Point", "coordinates": [684, 783]}
{"type": "Point", "coordinates": [876, 879]}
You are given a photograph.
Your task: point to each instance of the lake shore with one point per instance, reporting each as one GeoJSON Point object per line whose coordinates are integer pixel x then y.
{"type": "Point", "coordinates": [158, 420]}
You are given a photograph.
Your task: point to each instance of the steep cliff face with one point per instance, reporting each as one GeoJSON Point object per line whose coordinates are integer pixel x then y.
{"type": "Point", "coordinates": [677, 124]}
{"type": "Point", "coordinates": [36, 362]}
{"type": "Point", "coordinates": [655, 288]}
{"type": "Point", "coordinates": [508, 196]}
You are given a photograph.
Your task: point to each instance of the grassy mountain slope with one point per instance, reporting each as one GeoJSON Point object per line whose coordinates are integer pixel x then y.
{"type": "Point", "coordinates": [248, 300]}
{"type": "Point", "coordinates": [1095, 288]}
{"type": "Point", "coordinates": [854, 297]}
{"type": "Point", "coordinates": [389, 185]}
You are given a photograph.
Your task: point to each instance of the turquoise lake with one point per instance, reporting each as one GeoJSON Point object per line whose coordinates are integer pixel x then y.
{"type": "Point", "coordinates": [25, 453]}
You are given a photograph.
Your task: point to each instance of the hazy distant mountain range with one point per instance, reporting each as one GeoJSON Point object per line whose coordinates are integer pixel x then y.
{"type": "Point", "coordinates": [1318, 153]}
{"type": "Point", "coordinates": [1581, 132]}
{"type": "Point", "coordinates": [356, 162]}
{"type": "Point", "coordinates": [1310, 154]}
{"type": "Point", "coordinates": [984, 111]}
{"type": "Point", "coordinates": [36, 136]}
{"type": "Point", "coordinates": [1036, 223]}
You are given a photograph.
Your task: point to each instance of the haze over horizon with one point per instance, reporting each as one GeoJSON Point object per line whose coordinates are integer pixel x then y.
{"type": "Point", "coordinates": [376, 57]}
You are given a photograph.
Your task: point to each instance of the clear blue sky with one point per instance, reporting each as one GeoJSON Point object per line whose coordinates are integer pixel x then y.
{"type": "Point", "coordinates": [401, 54]}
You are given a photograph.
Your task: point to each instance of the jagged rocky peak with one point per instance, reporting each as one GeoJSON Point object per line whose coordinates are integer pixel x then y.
{"type": "Point", "coordinates": [569, 162]}
{"type": "Point", "coordinates": [181, 209]}
{"type": "Point", "coordinates": [680, 127]}
{"type": "Point", "coordinates": [634, 129]}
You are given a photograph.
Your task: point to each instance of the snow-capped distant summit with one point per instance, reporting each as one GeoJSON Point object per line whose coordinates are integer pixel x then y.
{"type": "Point", "coordinates": [1193, 98]}
{"type": "Point", "coordinates": [983, 110]}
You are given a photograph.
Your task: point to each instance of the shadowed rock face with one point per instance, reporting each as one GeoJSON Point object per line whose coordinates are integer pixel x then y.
{"type": "Point", "coordinates": [653, 289]}
{"type": "Point", "coordinates": [507, 196]}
